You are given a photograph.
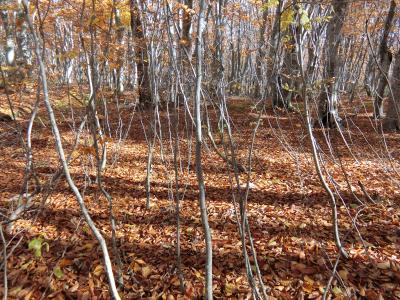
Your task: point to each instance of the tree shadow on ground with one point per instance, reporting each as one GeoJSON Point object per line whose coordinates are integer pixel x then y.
{"type": "Point", "coordinates": [227, 261]}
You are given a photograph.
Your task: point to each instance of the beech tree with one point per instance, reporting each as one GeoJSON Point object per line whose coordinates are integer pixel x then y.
{"type": "Point", "coordinates": [141, 57]}
{"type": "Point", "coordinates": [330, 95]}
{"type": "Point", "coordinates": [384, 60]}
{"type": "Point", "coordinates": [393, 116]}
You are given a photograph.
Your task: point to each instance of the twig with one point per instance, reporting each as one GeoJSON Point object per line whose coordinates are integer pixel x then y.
{"type": "Point", "coordinates": [5, 294]}
{"type": "Point", "coordinates": [365, 192]}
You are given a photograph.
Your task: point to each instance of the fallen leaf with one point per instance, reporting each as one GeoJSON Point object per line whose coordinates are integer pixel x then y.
{"type": "Point", "coordinates": [140, 261]}
{"type": "Point", "coordinates": [15, 290]}
{"type": "Point", "coordinates": [229, 289]}
{"type": "Point", "coordinates": [58, 272]}
{"type": "Point", "coordinates": [74, 288]}
{"type": "Point", "coordinates": [383, 265]}
{"type": "Point", "coordinates": [295, 266]}
{"type": "Point", "coordinates": [313, 295]}
{"type": "Point", "coordinates": [175, 281]}
{"type": "Point", "coordinates": [65, 262]}
{"type": "Point", "coordinates": [372, 295]}
{"type": "Point", "coordinates": [98, 270]}
{"type": "Point", "coordinates": [337, 291]}
{"type": "Point", "coordinates": [344, 274]}
{"type": "Point", "coordinates": [36, 245]}
{"type": "Point", "coordinates": [146, 270]}
{"type": "Point", "coordinates": [29, 295]}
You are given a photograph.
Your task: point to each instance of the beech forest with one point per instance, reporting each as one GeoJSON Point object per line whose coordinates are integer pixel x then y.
{"type": "Point", "coordinates": [200, 149]}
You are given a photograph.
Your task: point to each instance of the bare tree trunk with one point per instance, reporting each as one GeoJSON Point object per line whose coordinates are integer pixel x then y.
{"type": "Point", "coordinates": [186, 40]}
{"type": "Point", "coordinates": [286, 72]}
{"type": "Point", "coordinates": [329, 99]}
{"type": "Point", "coordinates": [392, 120]}
{"type": "Point", "coordinates": [8, 25]}
{"type": "Point", "coordinates": [24, 55]}
{"type": "Point", "coordinates": [385, 59]}
{"type": "Point", "coordinates": [5, 279]}
{"type": "Point", "coordinates": [199, 141]}
{"type": "Point", "coordinates": [274, 55]}
{"type": "Point", "coordinates": [119, 76]}
{"type": "Point", "coordinates": [261, 54]}
{"type": "Point", "coordinates": [370, 76]}
{"type": "Point", "coordinates": [141, 58]}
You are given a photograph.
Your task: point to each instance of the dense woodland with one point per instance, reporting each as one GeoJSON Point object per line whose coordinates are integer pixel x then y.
{"type": "Point", "coordinates": [181, 149]}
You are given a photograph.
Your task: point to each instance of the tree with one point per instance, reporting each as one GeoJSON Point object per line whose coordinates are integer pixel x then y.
{"type": "Point", "coordinates": [274, 59]}
{"type": "Point", "coordinates": [288, 68]}
{"type": "Point", "coordinates": [384, 60]}
{"type": "Point", "coordinates": [329, 98]}
{"type": "Point", "coordinates": [199, 142]}
{"type": "Point", "coordinates": [141, 57]}
{"type": "Point", "coordinates": [186, 40]}
{"type": "Point", "coordinates": [9, 28]}
{"type": "Point", "coordinates": [392, 120]}
{"type": "Point", "coordinates": [261, 51]}
{"type": "Point", "coordinates": [63, 160]}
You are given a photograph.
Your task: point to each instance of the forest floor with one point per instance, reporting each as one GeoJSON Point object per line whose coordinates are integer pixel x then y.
{"type": "Point", "coordinates": [289, 212]}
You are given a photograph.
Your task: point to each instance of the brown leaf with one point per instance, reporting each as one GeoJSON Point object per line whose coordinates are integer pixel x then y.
{"type": "Point", "coordinates": [146, 271]}
{"type": "Point", "coordinates": [385, 265]}
{"type": "Point", "coordinates": [29, 295]}
{"type": "Point", "coordinates": [74, 288]}
{"type": "Point", "coordinates": [65, 262]}
{"type": "Point", "coordinates": [295, 266]}
{"type": "Point", "coordinates": [344, 274]}
{"type": "Point", "coordinates": [313, 295]}
{"type": "Point", "coordinates": [98, 270]}
{"type": "Point", "coordinates": [175, 281]}
{"type": "Point", "coordinates": [229, 289]}
{"type": "Point", "coordinates": [372, 295]}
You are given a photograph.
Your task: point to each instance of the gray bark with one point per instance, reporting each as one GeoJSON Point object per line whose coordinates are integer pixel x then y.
{"type": "Point", "coordinates": [24, 55]}
{"type": "Point", "coordinates": [285, 84]}
{"type": "Point", "coordinates": [385, 60]}
{"type": "Point", "coordinates": [274, 55]}
{"type": "Point", "coordinates": [8, 25]}
{"type": "Point", "coordinates": [392, 120]}
{"type": "Point", "coordinates": [261, 54]}
{"type": "Point", "coordinates": [141, 58]}
{"type": "Point", "coordinates": [186, 40]}
{"type": "Point", "coordinates": [329, 99]}
{"type": "Point", "coordinates": [118, 72]}
{"type": "Point", "coordinates": [199, 141]}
